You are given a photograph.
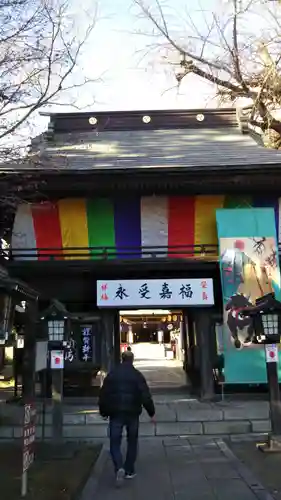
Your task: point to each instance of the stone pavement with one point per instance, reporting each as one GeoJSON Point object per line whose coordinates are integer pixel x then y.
{"type": "Point", "coordinates": [163, 373]}
{"type": "Point", "coordinates": [183, 469]}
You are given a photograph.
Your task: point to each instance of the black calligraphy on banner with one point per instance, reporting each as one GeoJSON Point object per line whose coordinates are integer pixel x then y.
{"type": "Point", "coordinates": [144, 291]}
{"type": "Point", "coordinates": [86, 347]}
{"type": "Point", "coordinates": [121, 293]}
{"type": "Point", "coordinates": [166, 292]}
{"type": "Point", "coordinates": [70, 351]}
{"type": "Point", "coordinates": [186, 291]}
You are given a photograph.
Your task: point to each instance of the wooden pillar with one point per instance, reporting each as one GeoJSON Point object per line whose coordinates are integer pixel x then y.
{"type": "Point", "coordinates": [191, 341]}
{"type": "Point", "coordinates": [117, 338]}
{"type": "Point", "coordinates": [184, 340]}
{"type": "Point", "coordinates": [97, 341]}
{"type": "Point", "coordinates": [29, 354]}
{"type": "Point", "coordinates": [57, 412]}
{"type": "Point", "coordinates": [107, 339]}
{"type": "Point", "coordinates": [204, 331]}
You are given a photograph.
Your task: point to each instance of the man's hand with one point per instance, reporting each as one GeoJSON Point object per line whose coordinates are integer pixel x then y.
{"type": "Point", "coordinates": [153, 420]}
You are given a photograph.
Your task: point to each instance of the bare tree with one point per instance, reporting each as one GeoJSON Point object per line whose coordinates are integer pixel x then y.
{"type": "Point", "coordinates": [235, 44]}
{"type": "Point", "coordinates": [40, 47]}
{"type": "Point", "coordinates": [41, 44]}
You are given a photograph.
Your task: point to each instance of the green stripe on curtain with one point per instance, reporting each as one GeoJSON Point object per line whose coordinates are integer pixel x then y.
{"type": "Point", "coordinates": [238, 202]}
{"type": "Point", "coordinates": [100, 215]}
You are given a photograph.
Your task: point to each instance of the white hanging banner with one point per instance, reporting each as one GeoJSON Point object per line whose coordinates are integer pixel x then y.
{"type": "Point", "coordinates": [155, 293]}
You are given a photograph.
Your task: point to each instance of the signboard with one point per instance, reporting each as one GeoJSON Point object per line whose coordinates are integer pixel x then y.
{"type": "Point", "coordinates": [28, 436]}
{"type": "Point", "coordinates": [41, 355]}
{"type": "Point", "coordinates": [86, 348]}
{"type": "Point", "coordinates": [271, 353]}
{"type": "Point", "coordinates": [57, 360]}
{"type": "Point", "coordinates": [249, 266]}
{"type": "Point", "coordinates": [155, 293]}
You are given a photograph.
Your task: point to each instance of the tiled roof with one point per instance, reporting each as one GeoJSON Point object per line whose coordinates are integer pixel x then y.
{"type": "Point", "coordinates": [170, 140]}
{"type": "Point", "coordinates": [155, 149]}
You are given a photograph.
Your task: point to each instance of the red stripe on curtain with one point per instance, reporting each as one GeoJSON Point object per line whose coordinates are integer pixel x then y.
{"type": "Point", "coordinates": [47, 229]}
{"type": "Point", "coordinates": [181, 225]}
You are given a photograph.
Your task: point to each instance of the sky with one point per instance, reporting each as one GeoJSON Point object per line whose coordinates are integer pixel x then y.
{"type": "Point", "coordinates": [125, 73]}
{"type": "Point", "coordinates": [128, 74]}
{"type": "Point", "coordinates": [115, 53]}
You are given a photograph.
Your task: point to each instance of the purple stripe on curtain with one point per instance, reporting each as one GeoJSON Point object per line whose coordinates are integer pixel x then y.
{"type": "Point", "coordinates": [127, 222]}
{"type": "Point", "coordinates": [264, 202]}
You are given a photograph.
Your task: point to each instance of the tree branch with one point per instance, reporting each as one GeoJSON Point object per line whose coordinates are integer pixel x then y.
{"type": "Point", "coordinates": [229, 56]}
{"type": "Point", "coordinates": [39, 53]}
{"type": "Point", "coordinates": [192, 68]}
{"type": "Point", "coordinates": [174, 44]}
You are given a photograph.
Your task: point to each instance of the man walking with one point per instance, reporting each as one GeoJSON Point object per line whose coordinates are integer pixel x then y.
{"type": "Point", "coordinates": [122, 396]}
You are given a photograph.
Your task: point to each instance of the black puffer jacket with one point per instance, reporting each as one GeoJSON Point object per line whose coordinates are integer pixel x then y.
{"type": "Point", "coordinates": [125, 391]}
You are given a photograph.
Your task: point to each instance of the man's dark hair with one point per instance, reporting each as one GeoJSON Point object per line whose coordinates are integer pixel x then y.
{"type": "Point", "coordinates": [127, 357]}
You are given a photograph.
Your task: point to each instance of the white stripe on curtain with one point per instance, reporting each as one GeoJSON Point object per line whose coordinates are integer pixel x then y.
{"type": "Point", "coordinates": [23, 235]}
{"type": "Point", "coordinates": [154, 222]}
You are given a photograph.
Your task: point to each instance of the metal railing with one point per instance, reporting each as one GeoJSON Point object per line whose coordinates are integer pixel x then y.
{"type": "Point", "coordinates": [109, 253]}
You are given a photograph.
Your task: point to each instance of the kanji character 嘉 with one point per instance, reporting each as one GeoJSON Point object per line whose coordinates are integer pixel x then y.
{"type": "Point", "coordinates": [166, 293]}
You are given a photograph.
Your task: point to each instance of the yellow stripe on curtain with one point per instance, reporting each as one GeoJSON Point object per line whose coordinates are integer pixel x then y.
{"type": "Point", "coordinates": [205, 219]}
{"type": "Point", "coordinates": [74, 227]}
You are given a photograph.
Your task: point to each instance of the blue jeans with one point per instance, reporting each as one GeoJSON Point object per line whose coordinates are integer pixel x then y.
{"type": "Point", "coordinates": [116, 426]}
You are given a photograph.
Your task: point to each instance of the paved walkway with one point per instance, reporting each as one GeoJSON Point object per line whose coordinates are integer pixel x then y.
{"type": "Point", "coordinates": [184, 469]}
{"type": "Point", "coordinates": [162, 373]}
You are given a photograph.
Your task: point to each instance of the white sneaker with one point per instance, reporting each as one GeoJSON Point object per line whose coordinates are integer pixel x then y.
{"type": "Point", "coordinates": [130, 476]}
{"type": "Point", "coordinates": [120, 476]}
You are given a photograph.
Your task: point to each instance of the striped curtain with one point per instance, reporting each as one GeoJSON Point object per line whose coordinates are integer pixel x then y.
{"type": "Point", "coordinates": [121, 226]}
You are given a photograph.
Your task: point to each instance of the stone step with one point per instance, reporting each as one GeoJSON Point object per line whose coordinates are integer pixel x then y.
{"type": "Point", "coordinates": [173, 417]}
{"type": "Point", "coordinates": [200, 428]}
{"type": "Point", "coordinates": [176, 409]}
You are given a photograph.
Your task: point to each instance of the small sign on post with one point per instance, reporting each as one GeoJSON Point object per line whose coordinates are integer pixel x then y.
{"type": "Point", "coordinates": [29, 427]}
{"type": "Point", "coordinates": [57, 360]}
{"type": "Point", "coordinates": [271, 353]}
